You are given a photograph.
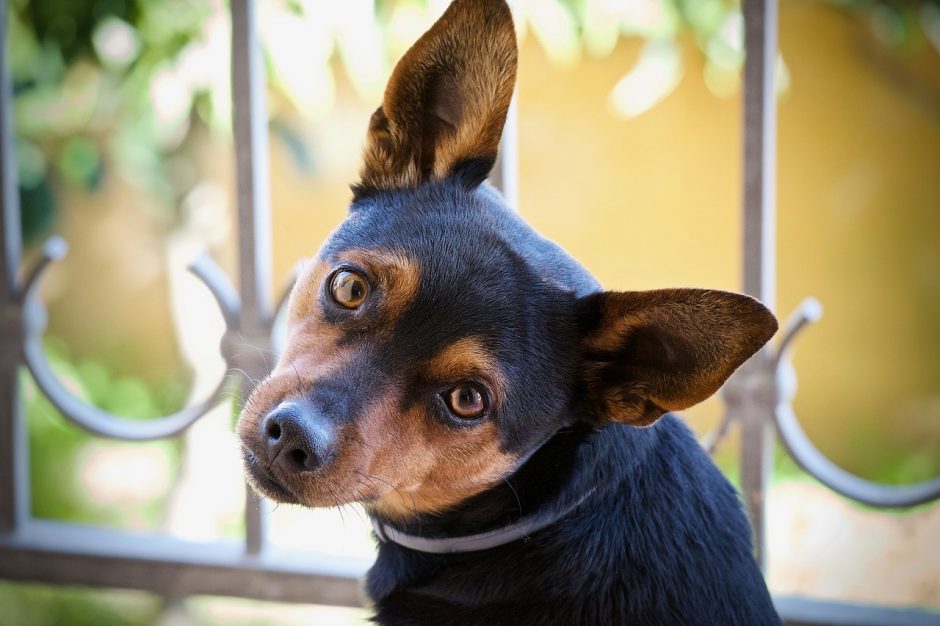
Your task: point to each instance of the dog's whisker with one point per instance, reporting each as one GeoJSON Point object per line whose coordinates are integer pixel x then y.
{"type": "Point", "coordinates": [414, 505]}
{"type": "Point", "coordinates": [515, 493]}
{"type": "Point", "coordinates": [300, 382]}
{"type": "Point", "coordinates": [255, 382]}
{"type": "Point", "coordinates": [246, 344]}
{"type": "Point", "coordinates": [260, 352]}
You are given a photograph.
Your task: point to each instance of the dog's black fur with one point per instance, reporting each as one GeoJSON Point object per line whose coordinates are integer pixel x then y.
{"type": "Point", "coordinates": [581, 378]}
{"type": "Point", "coordinates": [663, 540]}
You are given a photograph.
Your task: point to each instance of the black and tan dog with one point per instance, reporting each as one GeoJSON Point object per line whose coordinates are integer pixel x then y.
{"type": "Point", "coordinates": [502, 418]}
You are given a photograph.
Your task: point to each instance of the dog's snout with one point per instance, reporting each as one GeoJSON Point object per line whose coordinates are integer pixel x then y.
{"type": "Point", "coordinates": [297, 437]}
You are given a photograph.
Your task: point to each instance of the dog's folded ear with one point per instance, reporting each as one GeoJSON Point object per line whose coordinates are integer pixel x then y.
{"type": "Point", "coordinates": [446, 102]}
{"type": "Point", "coordinates": [648, 352]}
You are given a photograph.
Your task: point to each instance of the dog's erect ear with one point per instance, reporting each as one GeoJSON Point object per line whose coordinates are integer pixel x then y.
{"type": "Point", "coordinates": [446, 101]}
{"type": "Point", "coordinates": [648, 352]}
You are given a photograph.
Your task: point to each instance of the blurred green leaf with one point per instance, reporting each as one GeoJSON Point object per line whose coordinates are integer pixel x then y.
{"type": "Point", "coordinates": [30, 164]}
{"type": "Point", "coordinates": [655, 75]}
{"type": "Point", "coordinates": [79, 162]}
{"type": "Point", "coordinates": [38, 208]}
{"type": "Point", "coordinates": [138, 75]}
{"type": "Point", "coordinates": [116, 42]}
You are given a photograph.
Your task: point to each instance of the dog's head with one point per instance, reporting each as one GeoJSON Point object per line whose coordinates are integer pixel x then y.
{"type": "Point", "coordinates": [436, 340]}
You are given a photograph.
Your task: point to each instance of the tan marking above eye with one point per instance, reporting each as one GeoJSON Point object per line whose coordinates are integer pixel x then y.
{"type": "Point", "coordinates": [348, 288]}
{"type": "Point", "coordinates": [465, 359]}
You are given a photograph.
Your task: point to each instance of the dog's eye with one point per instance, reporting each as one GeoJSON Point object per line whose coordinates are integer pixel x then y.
{"type": "Point", "coordinates": [466, 401]}
{"type": "Point", "coordinates": [348, 288]}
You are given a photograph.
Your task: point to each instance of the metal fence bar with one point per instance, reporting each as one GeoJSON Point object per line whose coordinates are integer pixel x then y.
{"type": "Point", "coordinates": [69, 554]}
{"type": "Point", "coordinates": [809, 612]}
{"type": "Point", "coordinates": [759, 254]}
{"type": "Point", "coordinates": [14, 448]}
{"type": "Point", "coordinates": [505, 176]}
{"type": "Point", "coordinates": [65, 553]}
{"type": "Point", "coordinates": [250, 130]}
{"type": "Point", "coordinates": [802, 449]}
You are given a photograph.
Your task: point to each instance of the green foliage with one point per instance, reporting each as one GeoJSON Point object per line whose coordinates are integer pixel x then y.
{"type": "Point", "coordinates": [59, 454]}
{"type": "Point", "coordinates": [83, 74]}
{"type": "Point", "coordinates": [42, 605]}
{"type": "Point", "coordinates": [58, 449]}
{"type": "Point", "coordinates": [107, 86]}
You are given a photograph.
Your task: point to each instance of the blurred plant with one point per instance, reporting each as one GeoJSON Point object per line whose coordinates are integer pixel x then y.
{"type": "Point", "coordinates": [78, 477]}
{"type": "Point", "coordinates": [46, 605]}
{"type": "Point", "coordinates": [104, 85]}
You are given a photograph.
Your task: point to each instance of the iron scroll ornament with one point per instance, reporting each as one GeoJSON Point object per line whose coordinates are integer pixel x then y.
{"type": "Point", "coordinates": [103, 423]}
{"type": "Point", "coordinates": [767, 385]}
{"type": "Point", "coordinates": [771, 378]}
{"type": "Point", "coordinates": [806, 454]}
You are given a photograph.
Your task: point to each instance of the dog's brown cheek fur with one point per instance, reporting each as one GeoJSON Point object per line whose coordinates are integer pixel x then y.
{"type": "Point", "coordinates": [314, 346]}
{"type": "Point", "coordinates": [432, 465]}
{"type": "Point", "coordinates": [401, 461]}
{"type": "Point", "coordinates": [292, 377]}
{"type": "Point", "coordinates": [286, 378]}
{"type": "Point", "coordinates": [312, 352]}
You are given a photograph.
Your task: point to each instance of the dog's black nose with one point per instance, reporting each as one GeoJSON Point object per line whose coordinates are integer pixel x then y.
{"type": "Point", "coordinates": [296, 437]}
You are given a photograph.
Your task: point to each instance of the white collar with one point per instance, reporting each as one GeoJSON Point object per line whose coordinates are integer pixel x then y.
{"type": "Point", "coordinates": [522, 528]}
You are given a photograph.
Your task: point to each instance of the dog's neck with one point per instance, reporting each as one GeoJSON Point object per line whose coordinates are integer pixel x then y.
{"type": "Point", "coordinates": [542, 490]}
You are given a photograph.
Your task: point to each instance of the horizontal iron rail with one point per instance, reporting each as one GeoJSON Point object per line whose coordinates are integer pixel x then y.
{"type": "Point", "coordinates": [61, 553]}
{"type": "Point", "coordinates": [65, 553]}
{"type": "Point", "coordinates": [797, 611]}
{"type": "Point", "coordinates": [71, 554]}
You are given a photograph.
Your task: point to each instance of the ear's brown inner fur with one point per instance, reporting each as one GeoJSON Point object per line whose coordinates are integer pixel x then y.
{"type": "Point", "coordinates": [447, 99]}
{"type": "Point", "coordinates": [646, 353]}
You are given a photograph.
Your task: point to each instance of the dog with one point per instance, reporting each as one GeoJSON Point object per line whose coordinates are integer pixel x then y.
{"type": "Point", "coordinates": [505, 422]}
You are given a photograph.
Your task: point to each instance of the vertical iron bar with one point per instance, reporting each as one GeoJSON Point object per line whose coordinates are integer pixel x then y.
{"type": "Point", "coordinates": [254, 221]}
{"type": "Point", "coordinates": [14, 477]}
{"type": "Point", "coordinates": [505, 176]}
{"type": "Point", "coordinates": [759, 258]}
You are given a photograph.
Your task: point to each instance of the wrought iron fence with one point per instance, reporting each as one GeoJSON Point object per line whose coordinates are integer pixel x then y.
{"type": "Point", "coordinates": [757, 398]}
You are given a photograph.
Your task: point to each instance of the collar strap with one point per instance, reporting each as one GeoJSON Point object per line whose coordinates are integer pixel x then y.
{"type": "Point", "coordinates": [521, 529]}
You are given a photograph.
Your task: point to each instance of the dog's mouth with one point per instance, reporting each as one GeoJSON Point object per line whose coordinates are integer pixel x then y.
{"type": "Point", "coordinates": [263, 482]}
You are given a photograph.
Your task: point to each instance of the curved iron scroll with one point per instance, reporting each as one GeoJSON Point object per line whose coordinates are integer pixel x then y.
{"type": "Point", "coordinates": [807, 455]}
{"type": "Point", "coordinates": [94, 419]}
{"type": "Point", "coordinates": [767, 385]}
{"type": "Point", "coordinates": [775, 372]}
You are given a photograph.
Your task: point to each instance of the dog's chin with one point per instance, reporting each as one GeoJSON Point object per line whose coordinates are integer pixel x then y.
{"type": "Point", "coordinates": [268, 486]}
{"type": "Point", "coordinates": [263, 483]}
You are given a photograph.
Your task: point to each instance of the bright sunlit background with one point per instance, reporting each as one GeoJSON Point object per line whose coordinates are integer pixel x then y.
{"type": "Point", "coordinates": [630, 141]}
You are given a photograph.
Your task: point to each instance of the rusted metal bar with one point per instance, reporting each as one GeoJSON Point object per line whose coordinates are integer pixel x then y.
{"type": "Point", "coordinates": [759, 258]}
{"type": "Point", "coordinates": [253, 353]}
{"type": "Point", "coordinates": [14, 466]}
{"type": "Point", "coordinates": [505, 176]}
{"type": "Point", "coordinates": [810, 612]}
{"type": "Point", "coordinates": [93, 419]}
{"type": "Point", "coordinates": [804, 451]}
{"type": "Point", "coordinates": [70, 554]}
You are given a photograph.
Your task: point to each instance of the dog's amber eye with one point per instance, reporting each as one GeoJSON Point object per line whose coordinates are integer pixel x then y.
{"type": "Point", "coordinates": [348, 288]}
{"type": "Point", "coordinates": [466, 401]}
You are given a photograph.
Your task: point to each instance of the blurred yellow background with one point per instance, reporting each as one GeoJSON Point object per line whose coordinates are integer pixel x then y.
{"type": "Point", "coordinates": [644, 202]}
{"type": "Point", "coordinates": [629, 156]}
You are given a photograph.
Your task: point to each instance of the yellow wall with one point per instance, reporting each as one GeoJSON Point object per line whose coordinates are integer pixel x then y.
{"type": "Point", "coordinates": [654, 202]}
